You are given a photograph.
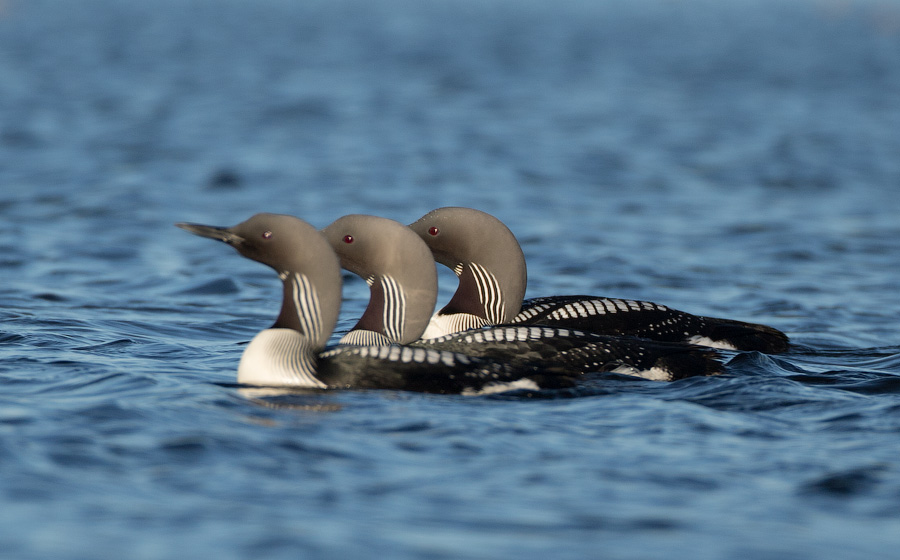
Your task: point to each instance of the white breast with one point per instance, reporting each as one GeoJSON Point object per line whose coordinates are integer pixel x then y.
{"type": "Point", "coordinates": [278, 357]}
{"type": "Point", "coordinates": [441, 325]}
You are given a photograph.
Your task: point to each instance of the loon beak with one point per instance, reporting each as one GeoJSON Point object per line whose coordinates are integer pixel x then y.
{"type": "Point", "coordinates": [212, 232]}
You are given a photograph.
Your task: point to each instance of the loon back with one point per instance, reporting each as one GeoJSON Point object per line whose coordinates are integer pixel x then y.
{"type": "Point", "coordinates": [649, 320]}
{"type": "Point", "coordinates": [574, 351]}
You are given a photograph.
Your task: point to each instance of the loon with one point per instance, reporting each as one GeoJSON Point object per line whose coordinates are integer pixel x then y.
{"type": "Point", "coordinates": [401, 274]}
{"type": "Point", "coordinates": [292, 352]}
{"type": "Point", "coordinates": [490, 265]}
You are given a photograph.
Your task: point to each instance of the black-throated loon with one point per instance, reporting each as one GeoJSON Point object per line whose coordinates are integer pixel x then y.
{"type": "Point", "coordinates": [490, 265]}
{"type": "Point", "coordinates": [291, 353]}
{"type": "Point", "coordinates": [400, 271]}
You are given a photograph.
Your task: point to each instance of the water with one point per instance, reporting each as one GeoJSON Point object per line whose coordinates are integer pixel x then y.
{"type": "Point", "coordinates": [733, 159]}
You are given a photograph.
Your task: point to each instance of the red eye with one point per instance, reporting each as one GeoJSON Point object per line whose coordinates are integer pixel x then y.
{"type": "Point", "coordinates": [266, 234]}
{"type": "Point", "coordinates": [348, 239]}
{"type": "Point", "coordinates": [433, 230]}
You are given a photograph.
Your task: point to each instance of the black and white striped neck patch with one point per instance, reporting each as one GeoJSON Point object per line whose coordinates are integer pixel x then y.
{"type": "Point", "coordinates": [306, 303]}
{"type": "Point", "coordinates": [489, 294]}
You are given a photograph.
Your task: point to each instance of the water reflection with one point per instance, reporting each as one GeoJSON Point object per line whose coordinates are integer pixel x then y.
{"type": "Point", "coordinates": [311, 400]}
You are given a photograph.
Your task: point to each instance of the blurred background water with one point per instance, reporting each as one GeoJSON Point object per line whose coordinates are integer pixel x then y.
{"type": "Point", "coordinates": [738, 159]}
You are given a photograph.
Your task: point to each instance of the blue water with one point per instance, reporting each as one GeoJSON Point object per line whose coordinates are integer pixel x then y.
{"type": "Point", "coordinates": [734, 159]}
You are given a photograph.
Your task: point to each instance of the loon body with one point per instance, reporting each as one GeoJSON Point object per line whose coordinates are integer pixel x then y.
{"type": "Point", "coordinates": [292, 352]}
{"type": "Point", "coordinates": [385, 252]}
{"type": "Point", "coordinates": [490, 265]}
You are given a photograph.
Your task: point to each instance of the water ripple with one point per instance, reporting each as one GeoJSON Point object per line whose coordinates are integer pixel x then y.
{"type": "Point", "coordinates": [727, 159]}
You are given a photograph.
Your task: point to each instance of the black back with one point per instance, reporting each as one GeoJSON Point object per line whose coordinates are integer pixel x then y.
{"type": "Point", "coordinates": [427, 370]}
{"type": "Point", "coordinates": [565, 350]}
{"type": "Point", "coordinates": [644, 319]}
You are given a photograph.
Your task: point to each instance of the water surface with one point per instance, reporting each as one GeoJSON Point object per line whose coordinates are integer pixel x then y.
{"type": "Point", "coordinates": [737, 160]}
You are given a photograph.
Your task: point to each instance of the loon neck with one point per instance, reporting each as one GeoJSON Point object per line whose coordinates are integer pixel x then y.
{"type": "Point", "coordinates": [399, 309]}
{"type": "Point", "coordinates": [287, 353]}
{"type": "Point", "coordinates": [386, 312]}
{"type": "Point", "coordinates": [481, 294]}
{"type": "Point", "coordinates": [304, 311]}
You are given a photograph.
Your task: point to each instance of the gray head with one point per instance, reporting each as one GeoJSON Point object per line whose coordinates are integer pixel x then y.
{"type": "Point", "coordinates": [398, 267]}
{"type": "Point", "coordinates": [303, 260]}
{"type": "Point", "coordinates": [462, 237]}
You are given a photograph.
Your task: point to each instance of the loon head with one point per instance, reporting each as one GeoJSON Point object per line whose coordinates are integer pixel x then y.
{"type": "Point", "coordinates": [399, 269]}
{"type": "Point", "coordinates": [304, 261]}
{"type": "Point", "coordinates": [485, 255]}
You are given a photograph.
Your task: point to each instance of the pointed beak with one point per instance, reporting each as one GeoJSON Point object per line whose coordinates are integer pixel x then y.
{"type": "Point", "coordinates": [213, 232]}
